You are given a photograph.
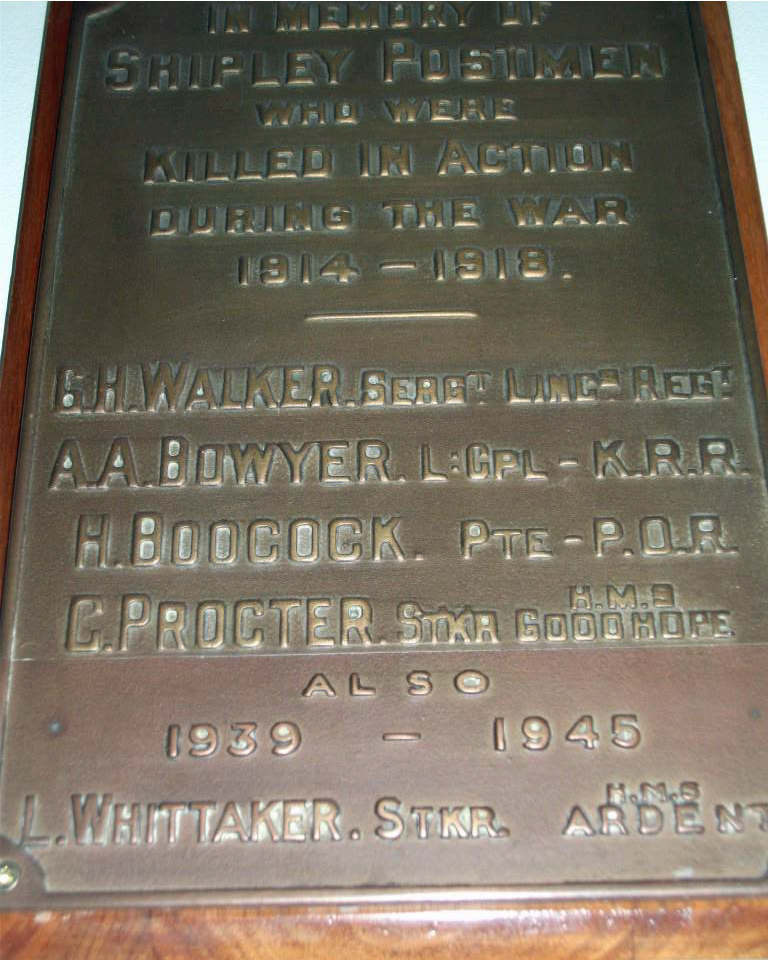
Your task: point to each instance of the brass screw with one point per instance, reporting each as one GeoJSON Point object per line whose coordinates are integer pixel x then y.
{"type": "Point", "coordinates": [9, 875]}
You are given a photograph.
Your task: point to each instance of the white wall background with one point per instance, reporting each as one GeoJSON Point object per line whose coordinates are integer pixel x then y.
{"type": "Point", "coordinates": [749, 23]}
{"type": "Point", "coordinates": [21, 33]}
{"type": "Point", "coordinates": [21, 28]}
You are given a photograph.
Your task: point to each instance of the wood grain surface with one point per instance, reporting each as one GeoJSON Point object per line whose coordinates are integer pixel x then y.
{"type": "Point", "coordinates": [619, 930]}
{"type": "Point", "coordinates": [741, 166]}
{"type": "Point", "coordinates": [679, 929]}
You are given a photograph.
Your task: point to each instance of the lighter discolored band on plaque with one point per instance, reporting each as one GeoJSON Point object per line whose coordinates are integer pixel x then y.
{"type": "Point", "coordinates": [391, 516]}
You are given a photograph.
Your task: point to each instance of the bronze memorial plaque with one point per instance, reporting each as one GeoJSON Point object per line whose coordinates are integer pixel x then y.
{"type": "Point", "coordinates": [391, 517]}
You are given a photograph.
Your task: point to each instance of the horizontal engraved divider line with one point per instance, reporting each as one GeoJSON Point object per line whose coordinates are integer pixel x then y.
{"type": "Point", "coordinates": [400, 737]}
{"type": "Point", "coordinates": [503, 647]}
{"type": "Point", "coordinates": [398, 265]}
{"type": "Point", "coordinates": [373, 315]}
{"type": "Point", "coordinates": [439, 894]}
{"type": "Point", "coordinates": [436, 893]}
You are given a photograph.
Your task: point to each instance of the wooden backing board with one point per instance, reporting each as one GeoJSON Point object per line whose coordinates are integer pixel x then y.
{"type": "Point", "coordinates": [673, 929]}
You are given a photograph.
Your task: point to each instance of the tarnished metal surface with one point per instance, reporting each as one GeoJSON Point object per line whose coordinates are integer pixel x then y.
{"type": "Point", "coordinates": [391, 516]}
